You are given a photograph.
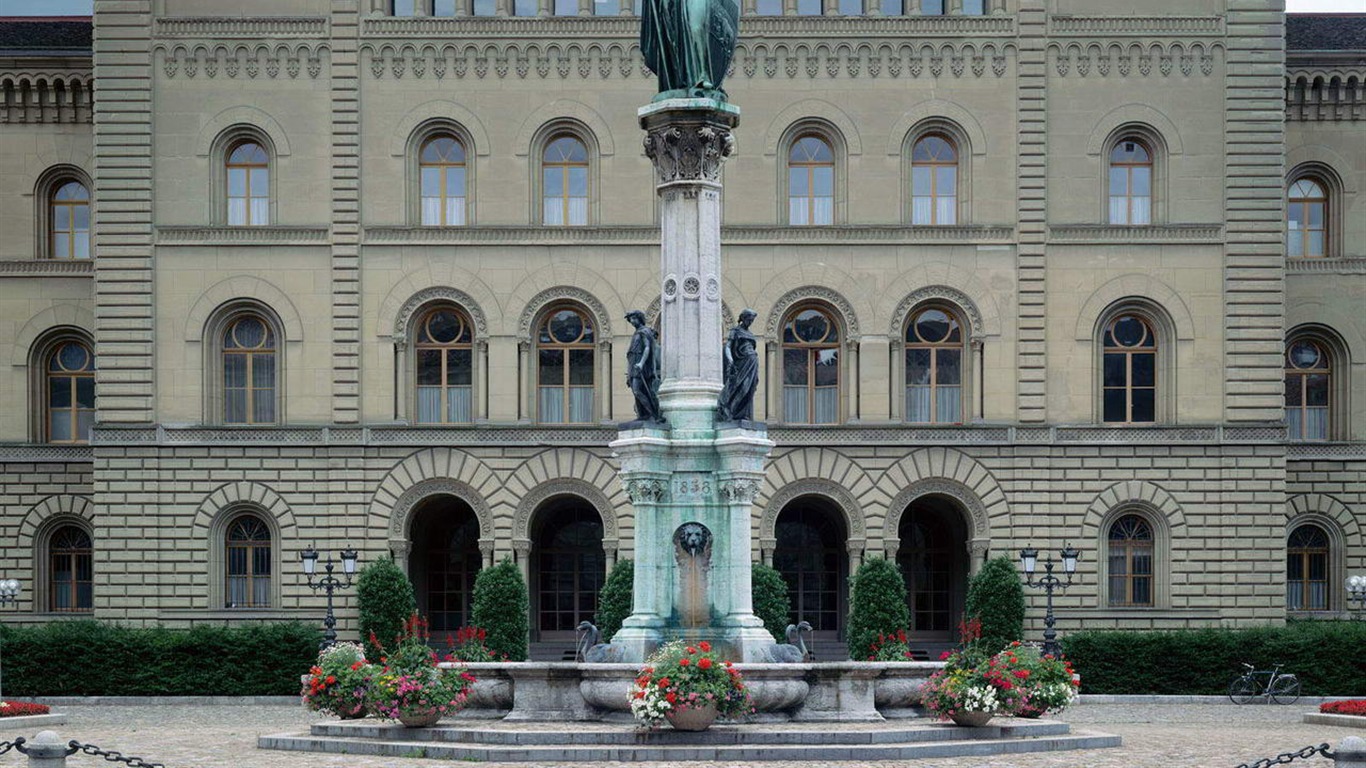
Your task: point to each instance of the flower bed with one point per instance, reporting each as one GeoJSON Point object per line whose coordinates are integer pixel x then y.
{"type": "Point", "coordinates": [678, 678]}
{"type": "Point", "coordinates": [1349, 707]}
{"type": "Point", "coordinates": [22, 709]}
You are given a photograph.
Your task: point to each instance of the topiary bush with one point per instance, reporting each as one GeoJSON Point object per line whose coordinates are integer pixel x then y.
{"type": "Point", "coordinates": [501, 606]}
{"type": "Point", "coordinates": [769, 593]}
{"type": "Point", "coordinates": [91, 658]}
{"type": "Point", "coordinates": [614, 601]}
{"type": "Point", "coordinates": [385, 599]}
{"type": "Point", "coordinates": [996, 598]}
{"type": "Point", "coordinates": [878, 605]}
{"type": "Point", "coordinates": [1326, 655]}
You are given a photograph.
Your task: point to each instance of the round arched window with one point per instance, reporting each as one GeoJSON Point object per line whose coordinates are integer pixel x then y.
{"type": "Point", "coordinates": [441, 166]}
{"type": "Point", "coordinates": [565, 343]}
{"type": "Point", "coordinates": [1130, 371]}
{"type": "Point", "coordinates": [811, 367]}
{"type": "Point", "coordinates": [811, 182]}
{"type": "Point", "coordinates": [934, 181]}
{"type": "Point", "coordinates": [934, 367]}
{"type": "Point", "coordinates": [70, 393]}
{"type": "Point", "coordinates": [249, 371]}
{"type": "Point", "coordinates": [1308, 377]}
{"type": "Point", "coordinates": [445, 367]}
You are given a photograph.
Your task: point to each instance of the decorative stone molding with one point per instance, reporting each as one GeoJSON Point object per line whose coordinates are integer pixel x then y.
{"type": "Point", "coordinates": [1352, 265]}
{"type": "Point", "coordinates": [1343, 451]}
{"type": "Point", "coordinates": [936, 293]}
{"type": "Point", "coordinates": [1168, 234]}
{"type": "Point", "coordinates": [403, 320]}
{"type": "Point", "coordinates": [220, 27]}
{"type": "Point", "coordinates": [59, 316]}
{"type": "Point", "coordinates": [647, 490]}
{"type": "Point", "coordinates": [974, 512]}
{"type": "Point", "coordinates": [245, 60]}
{"type": "Point", "coordinates": [246, 289]}
{"type": "Point", "coordinates": [35, 452]}
{"type": "Point", "coordinates": [430, 472]}
{"type": "Point", "coordinates": [946, 472]}
{"type": "Point", "coordinates": [628, 27]}
{"type": "Point", "coordinates": [1138, 26]}
{"type": "Point", "coordinates": [532, 501]}
{"type": "Point", "coordinates": [400, 515]}
{"type": "Point", "coordinates": [215, 236]}
{"type": "Point", "coordinates": [1133, 287]}
{"type": "Point", "coordinates": [48, 268]}
{"type": "Point", "coordinates": [828, 489]}
{"type": "Point", "coordinates": [689, 152]}
{"type": "Point", "coordinates": [1132, 493]}
{"type": "Point", "coordinates": [813, 293]}
{"type": "Point", "coordinates": [49, 512]}
{"type": "Point", "coordinates": [740, 490]}
{"type": "Point", "coordinates": [256, 496]}
{"type": "Point", "coordinates": [740, 234]}
{"type": "Point", "coordinates": [1316, 93]}
{"type": "Point", "coordinates": [1305, 507]}
{"type": "Point", "coordinates": [47, 96]}
{"type": "Point", "coordinates": [568, 294]}
{"type": "Point", "coordinates": [1132, 57]}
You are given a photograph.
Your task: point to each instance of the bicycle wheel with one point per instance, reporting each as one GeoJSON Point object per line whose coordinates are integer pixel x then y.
{"type": "Point", "coordinates": [1242, 689]}
{"type": "Point", "coordinates": [1286, 689]}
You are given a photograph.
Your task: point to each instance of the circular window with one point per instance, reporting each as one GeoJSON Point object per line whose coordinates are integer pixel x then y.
{"type": "Point", "coordinates": [72, 357]}
{"type": "Point", "coordinates": [1306, 354]}
{"type": "Point", "coordinates": [248, 333]}
{"type": "Point", "coordinates": [810, 326]}
{"type": "Point", "coordinates": [1130, 331]}
{"type": "Point", "coordinates": [444, 326]}
{"type": "Point", "coordinates": [566, 326]}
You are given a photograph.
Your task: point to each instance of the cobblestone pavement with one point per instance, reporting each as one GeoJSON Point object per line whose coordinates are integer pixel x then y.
{"type": "Point", "coordinates": [1216, 735]}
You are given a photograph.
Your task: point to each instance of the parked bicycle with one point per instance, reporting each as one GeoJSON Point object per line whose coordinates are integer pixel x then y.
{"type": "Point", "coordinates": [1267, 684]}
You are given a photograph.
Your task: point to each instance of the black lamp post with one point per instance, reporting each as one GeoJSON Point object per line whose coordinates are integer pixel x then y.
{"type": "Point", "coordinates": [329, 583]}
{"type": "Point", "coordinates": [1356, 592]}
{"type": "Point", "coordinates": [1029, 558]}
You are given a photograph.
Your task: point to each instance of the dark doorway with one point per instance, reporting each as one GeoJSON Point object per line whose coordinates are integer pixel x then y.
{"type": "Point", "coordinates": [934, 561]}
{"type": "Point", "coordinates": [445, 559]}
{"type": "Point", "coordinates": [813, 557]}
{"type": "Point", "coordinates": [568, 567]}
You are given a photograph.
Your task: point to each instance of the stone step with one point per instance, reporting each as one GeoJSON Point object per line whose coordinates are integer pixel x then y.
{"type": "Point", "coordinates": [719, 735]}
{"type": "Point", "coordinates": [575, 753]}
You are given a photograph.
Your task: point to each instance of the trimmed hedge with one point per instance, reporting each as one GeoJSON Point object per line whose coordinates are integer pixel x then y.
{"type": "Point", "coordinates": [996, 598]}
{"type": "Point", "coordinates": [384, 597]}
{"type": "Point", "coordinates": [1326, 655]}
{"type": "Point", "coordinates": [500, 607]}
{"type": "Point", "coordinates": [90, 658]}
{"type": "Point", "coordinates": [614, 601]}
{"type": "Point", "coordinates": [769, 592]}
{"type": "Point", "coordinates": [878, 605]}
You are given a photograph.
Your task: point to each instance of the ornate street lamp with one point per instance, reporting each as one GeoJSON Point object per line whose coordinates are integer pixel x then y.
{"type": "Point", "coordinates": [1356, 592]}
{"type": "Point", "coordinates": [329, 583]}
{"type": "Point", "coordinates": [9, 595]}
{"type": "Point", "coordinates": [1029, 560]}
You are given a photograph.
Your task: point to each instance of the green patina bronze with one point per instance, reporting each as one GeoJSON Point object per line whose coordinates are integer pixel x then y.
{"type": "Point", "coordinates": [688, 44]}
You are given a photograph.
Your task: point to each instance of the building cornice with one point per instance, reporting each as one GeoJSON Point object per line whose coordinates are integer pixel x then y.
{"type": "Point", "coordinates": [48, 268]}
{"type": "Point", "coordinates": [752, 28]}
{"type": "Point", "coordinates": [45, 453]}
{"type": "Point", "coordinates": [758, 234]}
{"type": "Point", "coordinates": [1351, 265]}
{"type": "Point", "coordinates": [1103, 234]}
{"type": "Point", "coordinates": [1137, 26]}
{"type": "Point", "coordinates": [249, 27]}
{"type": "Point", "coordinates": [1342, 451]}
{"type": "Point", "coordinates": [212, 236]}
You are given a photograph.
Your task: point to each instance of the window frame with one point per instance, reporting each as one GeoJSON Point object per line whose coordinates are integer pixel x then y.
{"type": "Point", "coordinates": [41, 351]}
{"type": "Point", "coordinates": [964, 346]}
{"type": "Point", "coordinates": [48, 575]}
{"type": "Point", "coordinates": [44, 190]}
{"type": "Point", "coordinates": [223, 145]}
{"type": "Point", "coordinates": [812, 349]}
{"type": "Point", "coordinates": [1305, 583]}
{"type": "Point", "coordinates": [1153, 141]}
{"type": "Point", "coordinates": [1130, 168]}
{"type": "Point", "coordinates": [75, 376]}
{"type": "Point", "coordinates": [216, 560]}
{"type": "Point", "coordinates": [962, 146]}
{"type": "Point", "coordinates": [215, 396]}
{"type": "Point", "coordinates": [542, 320]}
{"type": "Point", "coordinates": [547, 136]}
{"type": "Point", "coordinates": [427, 131]}
{"type": "Point", "coordinates": [1161, 557]}
{"type": "Point", "coordinates": [834, 140]}
{"type": "Point", "coordinates": [472, 346]}
{"type": "Point", "coordinates": [1165, 372]}
{"type": "Point", "coordinates": [1331, 183]}
{"type": "Point", "coordinates": [1131, 547]}
{"type": "Point", "coordinates": [250, 546]}
{"type": "Point", "coordinates": [1330, 343]}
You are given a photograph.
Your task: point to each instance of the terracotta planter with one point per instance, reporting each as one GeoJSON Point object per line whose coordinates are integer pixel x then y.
{"type": "Point", "coordinates": [973, 719]}
{"type": "Point", "coordinates": [692, 719]}
{"type": "Point", "coordinates": [420, 721]}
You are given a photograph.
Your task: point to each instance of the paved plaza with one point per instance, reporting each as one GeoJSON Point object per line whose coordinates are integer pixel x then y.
{"type": "Point", "coordinates": [1154, 735]}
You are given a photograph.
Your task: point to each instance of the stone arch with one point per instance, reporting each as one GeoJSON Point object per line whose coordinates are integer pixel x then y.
{"type": "Point", "coordinates": [404, 316]}
{"type": "Point", "coordinates": [822, 472]}
{"type": "Point", "coordinates": [1156, 293]}
{"type": "Point", "coordinates": [430, 283]}
{"type": "Point", "coordinates": [1141, 116]}
{"type": "Point", "coordinates": [41, 324]}
{"type": "Point", "coordinates": [562, 110]}
{"type": "Point", "coordinates": [438, 110]}
{"type": "Point", "coordinates": [50, 512]}
{"type": "Point", "coordinates": [535, 498]}
{"type": "Point", "coordinates": [207, 140]}
{"type": "Point", "coordinates": [400, 516]}
{"type": "Point", "coordinates": [813, 111]}
{"type": "Point", "coordinates": [248, 287]}
{"type": "Point", "coordinates": [256, 496]}
{"type": "Point", "coordinates": [1328, 511]}
{"type": "Point", "coordinates": [821, 281]}
{"type": "Point", "coordinates": [431, 472]}
{"type": "Point", "coordinates": [1318, 159]}
{"type": "Point", "coordinates": [536, 304]}
{"type": "Point", "coordinates": [843, 500]}
{"type": "Point", "coordinates": [842, 306]}
{"type": "Point", "coordinates": [939, 111]}
{"type": "Point", "coordinates": [939, 280]}
{"type": "Point", "coordinates": [952, 473]}
{"type": "Point", "coordinates": [1130, 494]}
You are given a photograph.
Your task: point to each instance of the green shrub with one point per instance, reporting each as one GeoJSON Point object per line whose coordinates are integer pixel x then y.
{"type": "Point", "coordinates": [769, 593]}
{"type": "Point", "coordinates": [501, 606]}
{"type": "Point", "coordinates": [385, 598]}
{"type": "Point", "coordinates": [996, 598]}
{"type": "Point", "coordinates": [90, 658]}
{"type": "Point", "coordinates": [1326, 655]}
{"type": "Point", "coordinates": [878, 605]}
{"type": "Point", "coordinates": [614, 601]}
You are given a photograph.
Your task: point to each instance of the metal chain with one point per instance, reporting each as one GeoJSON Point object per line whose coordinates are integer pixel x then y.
{"type": "Point", "coordinates": [1286, 758]}
{"type": "Point", "coordinates": [6, 746]}
{"type": "Point", "coordinates": [110, 755]}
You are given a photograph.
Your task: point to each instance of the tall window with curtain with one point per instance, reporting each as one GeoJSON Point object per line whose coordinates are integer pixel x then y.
{"type": "Point", "coordinates": [441, 168]}
{"type": "Point", "coordinates": [934, 367]}
{"type": "Point", "coordinates": [445, 367]}
{"type": "Point", "coordinates": [1131, 183]}
{"type": "Point", "coordinates": [564, 182]}
{"type": "Point", "coordinates": [934, 181]}
{"type": "Point", "coordinates": [565, 367]}
{"type": "Point", "coordinates": [1131, 562]}
{"type": "Point", "coordinates": [1306, 569]}
{"type": "Point", "coordinates": [811, 367]}
{"type": "Point", "coordinates": [1306, 219]}
{"type": "Point", "coordinates": [1129, 371]}
{"type": "Point", "coordinates": [70, 571]}
{"type": "Point", "coordinates": [810, 182]}
{"type": "Point", "coordinates": [247, 547]}
{"type": "Point", "coordinates": [248, 185]}
{"type": "Point", "coordinates": [69, 221]}
{"type": "Point", "coordinates": [1308, 375]}
{"type": "Point", "coordinates": [249, 371]}
{"type": "Point", "coordinates": [70, 392]}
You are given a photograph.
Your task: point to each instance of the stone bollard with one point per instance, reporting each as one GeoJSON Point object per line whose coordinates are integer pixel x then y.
{"type": "Point", "coordinates": [1351, 753]}
{"type": "Point", "coordinates": [46, 750]}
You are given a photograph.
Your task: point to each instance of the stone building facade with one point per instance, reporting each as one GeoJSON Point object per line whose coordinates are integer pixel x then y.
{"type": "Point", "coordinates": [1028, 272]}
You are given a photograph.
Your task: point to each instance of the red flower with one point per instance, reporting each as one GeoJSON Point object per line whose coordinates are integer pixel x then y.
{"type": "Point", "coordinates": [331, 679]}
{"type": "Point", "coordinates": [691, 650]}
{"type": "Point", "coordinates": [729, 664]}
{"type": "Point", "coordinates": [704, 663]}
{"type": "Point", "coordinates": [683, 662]}
{"type": "Point", "coordinates": [356, 666]}
{"type": "Point", "coordinates": [663, 682]}
{"type": "Point", "coordinates": [1022, 673]}
{"type": "Point", "coordinates": [945, 655]}
{"type": "Point", "coordinates": [670, 697]}
{"type": "Point", "coordinates": [705, 646]}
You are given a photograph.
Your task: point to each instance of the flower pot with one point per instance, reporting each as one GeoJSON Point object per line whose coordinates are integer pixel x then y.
{"type": "Point", "coordinates": [973, 719]}
{"type": "Point", "coordinates": [420, 721]}
{"type": "Point", "coordinates": [692, 719]}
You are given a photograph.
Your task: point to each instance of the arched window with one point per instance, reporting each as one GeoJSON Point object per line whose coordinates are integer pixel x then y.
{"type": "Point", "coordinates": [1308, 383]}
{"type": "Point", "coordinates": [934, 367]}
{"type": "Point", "coordinates": [70, 393]}
{"type": "Point", "coordinates": [1131, 562]}
{"type": "Point", "coordinates": [248, 179]}
{"type": "Point", "coordinates": [1129, 371]}
{"type": "Point", "coordinates": [69, 221]}
{"type": "Point", "coordinates": [445, 367]}
{"type": "Point", "coordinates": [441, 168]}
{"type": "Point", "coordinates": [934, 180]}
{"type": "Point", "coordinates": [568, 567]}
{"type": "Point", "coordinates": [249, 371]}
{"type": "Point", "coordinates": [810, 182]}
{"type": "Point", "coordinates": [1131, 183]}
{"type": "Point", "coordinates": [445, 561]}
{"type": "Point", "coordinates": [70, 570]}
{"type": "Point", "coordinates": [1306, 569]}
{"type": "Point", "coordinates": [565, 372]}
{"type": "Point", "coordinates": [811, 552]}
{"type": "Point", "coordinates": [1306, 218]}
{"type": "Point", "coordinates": [811, 367]}
{"type": "Point", "coordinates": [247, 554]}
{"type": "Point", "coordinates": [564, 182]}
